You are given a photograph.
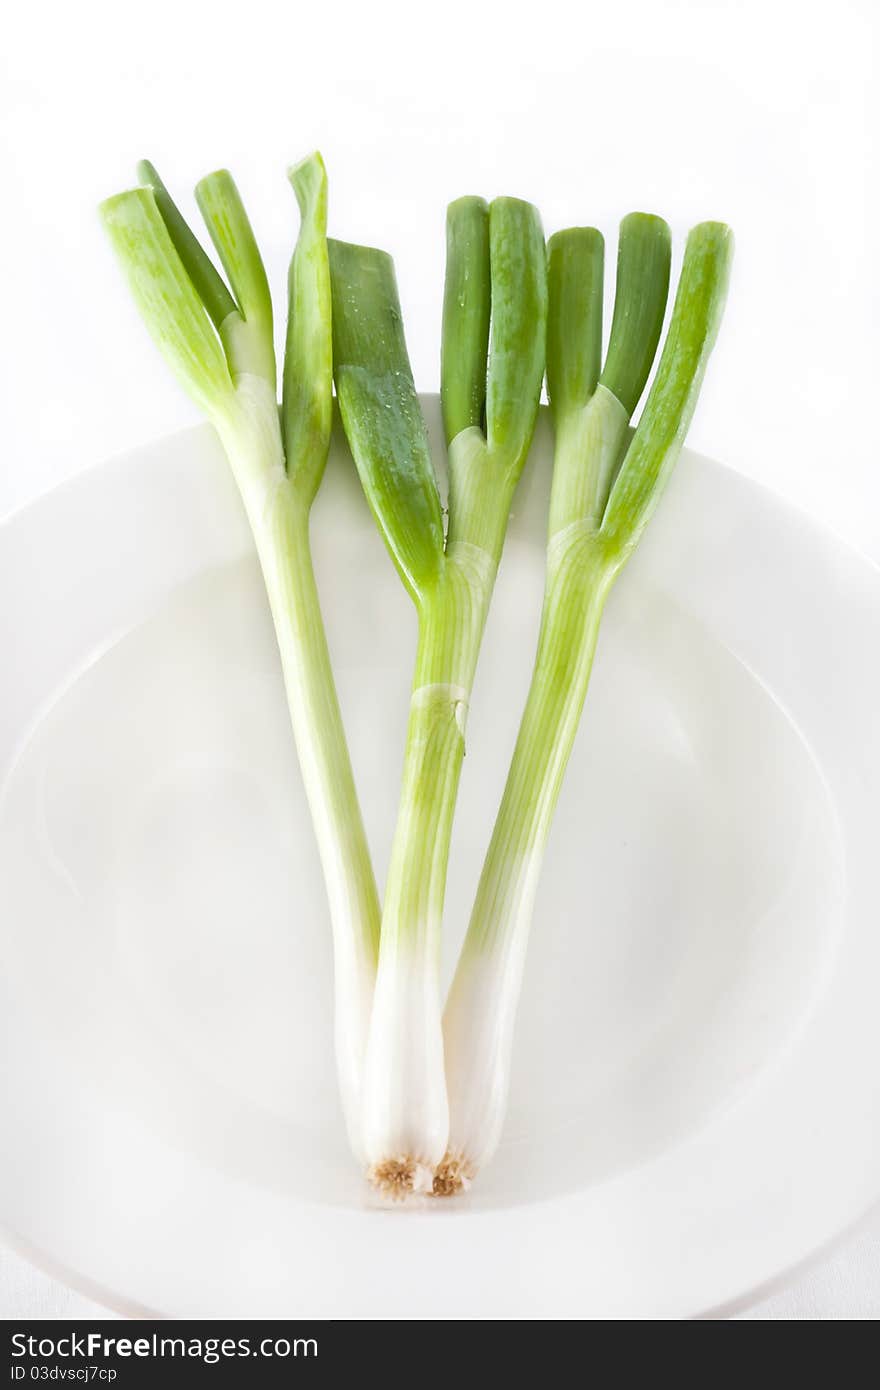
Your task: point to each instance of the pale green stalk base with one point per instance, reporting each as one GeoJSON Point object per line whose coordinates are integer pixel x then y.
{"type": "Point", "coordinates": [481, 1009]}
{"type": "Point", "coordinates": [569, 630]}
{"type": "Point", "coordinates": [450, 630]}
{"type": "Point", "coordinates": [405, 1107]}
{"type": "Point", "coordinates": [595, 432]}
{"type": "Point", "coordinates": [406, 1125]}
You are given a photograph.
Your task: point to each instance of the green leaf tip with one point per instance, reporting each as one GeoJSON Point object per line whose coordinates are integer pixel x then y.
{"type": "Point", "coordinates": [166, 297]}
{"type": "Point", "coordinates": [307, 390]}
{"type": "Point", "coordinates": [148, 174]}
{"type": "Point", "coordinates": [381, 412]}
{"type": "Point", "coordinates": [468, 205]}
{"type": "Point", "coordinates": [643, 260]}
{"type": "Point", "coordinates": [661, 431]}
{"type": "Point", "coordinates": [466, 316]}
{"type": "Point", "coordinates": [368, 330]}
{"type": "Point", "coordinates": [494, 324]}
{"type": "Point", "coordinates": [709, 257]}
{"type": "Point", "coordinates": [309, 180]}
{"type": "Point", "coordinates": [199, 267]}
{"type": "Point", "coordinates": [517, 346]}
{"type": "Point", "coordinates": [230, 230]}
{"type": "Point", "coordinates": [575, 277]}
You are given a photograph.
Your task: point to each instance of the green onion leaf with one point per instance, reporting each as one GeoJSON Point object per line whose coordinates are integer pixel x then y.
{"type": "Point", "coordinates": [220, 204]}
{"type": "Point", "coordinates": [381, 413]}
{"type": "Point", "coordinates": [307, 393]}
{"type": "Point", "coordinates": [207, 280]}
{"type": "Point", "coordinates": [166, 297]}
{"type": "Point", "coordinates": [643, 256]}
{"type": "Point", "coordinates": [664, 423]}
{"type": "Point", "coordinates": [519, 328]}
{"type": "Point", "coordinates": [575, 272]}
{"type": "Point", "coordinates": [466, 311]}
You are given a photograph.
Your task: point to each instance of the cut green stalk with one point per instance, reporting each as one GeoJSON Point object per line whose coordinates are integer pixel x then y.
{"type": "Point", "coordinates": [602, 498]}
{"type": "Point", "coordinates": [307, 391]}
{"type": "Point", "coordinates": [278, 464]}
{"type": "Point", "coordinates": [209, 285]}
{"type": "Point", "coordinates": [466, 316]}
{"type": "Point", "coordinates": [495, 302]}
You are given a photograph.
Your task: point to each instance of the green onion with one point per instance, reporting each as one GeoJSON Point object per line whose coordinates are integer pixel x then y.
{"type": "Point", "coordinates": [424, 1090]}
{"type": "Point", "coordinates": [218, 340]}
{"type": "Point", "coordinates": [604, 492]}
{"type": "Point", "coordinates": [495, 303]}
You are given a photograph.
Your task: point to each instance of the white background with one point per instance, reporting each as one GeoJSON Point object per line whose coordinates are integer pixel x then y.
{"type": "Point", "coordinates": [761, 114]}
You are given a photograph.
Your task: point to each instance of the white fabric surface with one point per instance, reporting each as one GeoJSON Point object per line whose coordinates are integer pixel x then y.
{"type": "Point", "coordinates": [756, 111]}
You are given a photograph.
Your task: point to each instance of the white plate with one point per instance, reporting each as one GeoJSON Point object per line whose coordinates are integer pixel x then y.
{"type": "Point", "coordinates": [695, 1106]}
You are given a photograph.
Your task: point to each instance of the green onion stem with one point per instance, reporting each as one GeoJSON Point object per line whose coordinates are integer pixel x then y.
{"type": "Point", "coordinates": [405, 1105]}
{"type": "Point", "coordinates": [180, 295]}
{"type": "Point", "coordinates": [585, 555]}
